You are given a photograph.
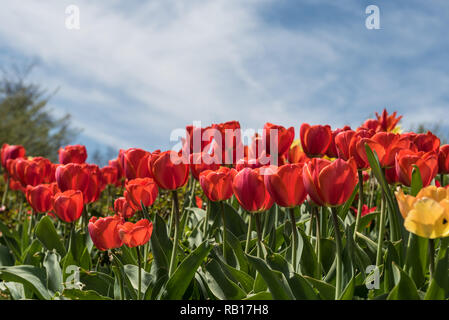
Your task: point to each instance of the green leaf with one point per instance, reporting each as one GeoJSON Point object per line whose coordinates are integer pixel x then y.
{"type": "Point", "coordinates": [220, 285]}
{"type": "Point", "coordinates": [326, 290]}
{"type": "Point", "coordinates": [132, 274]}
{"type": "Point", "coordinates": [308, 259]}
{"type": "Point", "coordinates": [405, 288]}
{"type": "Point", "coordinates": [416, 259]}
{"type": "Point", "coordinates": [396, 221]}
{"type": "Point", "coordinates": [417, 184]}
{"type": "Point", "coordinates": [439, 285]}
{"type": "Point", "coordinates": [46, 233]}
{"type": "Point", "coordinates": [275, 280]}
{"type": "Point", "coordinates": [301, 288]}
{"type": "Point", "coordinates": [265, 295]}
{"type": "Point", "coordinates": [30, 276]}
{"type": "Point", "coordinates": [76, 294]}
{"type": "Point", "coordinates": [160, 248]}
{"type": "Point", "coordinates": [54, 272]}
{"type": "Point", "coordinates": [348, 293]}
{"type": "Point", "coordinates": [6, 257]}
{"type": "Point", "coordinates": [391, 256]}
{"type": "Point", "coordinates": [183, 275]}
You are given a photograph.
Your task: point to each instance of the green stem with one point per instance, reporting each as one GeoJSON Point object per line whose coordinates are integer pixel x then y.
{"type": "Point", "coordinates": [176, 236]}
{"type": "Point", "coordinates": [318, 244]}
{"type": "Point", "coordinates": [139, 273]}
{"type": "Point", "coordinates": [338, 253]}
{"type": "Point", "coordinates": [381, 231]}
{"type": "Point", "coordinates": [360, 204]}
{"type": "Point", "coordinates": [295, 236]}
{"type": "Point", "coordinates": [442, 180]}
{"type": "Point", "coordinates": [431, 257]}
{"type": "Point", "coordinates": [259, 234]}
{"type": "Point", "coordinates": [6, 191]}
{"type": "Point", "coordinates": [120, 280]}
{"type": "Point", "coordinates": [206, 221]}
{"type": "Point", "coordinates": [248, 234]}
{"type": "Point", "coordinates": [224, 230]}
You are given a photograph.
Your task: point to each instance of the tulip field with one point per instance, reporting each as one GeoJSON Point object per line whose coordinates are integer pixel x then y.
{"type": "Point", "coordinates": [321, 214]}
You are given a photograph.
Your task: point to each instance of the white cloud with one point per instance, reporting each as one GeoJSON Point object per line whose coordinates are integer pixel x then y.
{"type": "Point", "coordinates": [134, 72]}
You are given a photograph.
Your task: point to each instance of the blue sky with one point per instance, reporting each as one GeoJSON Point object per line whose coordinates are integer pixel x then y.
{"type": "Point", "coordinates": [136, 70]}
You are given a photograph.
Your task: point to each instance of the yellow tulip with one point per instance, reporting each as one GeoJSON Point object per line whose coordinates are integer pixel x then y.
{"type": "Point", "coordinates": [427, 214]}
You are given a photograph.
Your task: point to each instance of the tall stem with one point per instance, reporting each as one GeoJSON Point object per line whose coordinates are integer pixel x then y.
{"type": "Point", "coordinates": [223, 216]}
{"type": "Point", "coordinates": [176, 236]}
{"type": "Point", "coordinates": [318, 243]}
{"type": "Point", "coordinates": [442, 179]}
{"type": "Point", "coordinates": [338, 283]}
{"type": "Point", "coordinates": [120, 279]}
{"type": "Point", "coordinates": [360, 204]}
{"type": "Point", "coordinates": [381, 231]}
{"type": "Point", "coordinates": [6, 192]}
{"type": "Point", "coordinates": [259, 235]}
{"type": "Point", "coordinates": [431, 257]}
{"type": "Point", "coordinates": [295, 236]}
{"type": "Point", "coordinates": [206, 222]}
{"type": "Point", "coordinates": [248, 234]}
{"type": "Point", "coordinates": [139, 273]}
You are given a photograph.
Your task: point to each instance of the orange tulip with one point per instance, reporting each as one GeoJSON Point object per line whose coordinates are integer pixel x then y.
{"type": "Point", "coordinates": [296, 155]}
{"type": "Point", "coordinates": [217, 185]}
{"type": "Point", "coordinates": [104, 232]}
{"type": "Point", "coordinates": [286, 185]}
{"type": "Point", "coordinates": [426, 162]}
{"type": "Point", "coordinates": [168, 170]}
{"type": "Point", "coordinates": [137, 234]}
{"type": "Point", "coordinates": [330, 183]}
{"type": "Point", "coordinates": [141, 190]}
{"type": "Point", "coordinates": [68, 205]}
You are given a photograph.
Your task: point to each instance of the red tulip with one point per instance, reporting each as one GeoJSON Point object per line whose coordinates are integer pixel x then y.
{"type": "Point", "coordinates": [217, 185]}
{"type": "Point", "coordinates": [140, 190]}
{"type": "Point", "coordinates": [123, 208]}
{"type": "Point", "coordinates": [195, 134]}
{"type": "Point", "coordinates": [228, 142]}
{"type": "Point", "coordinates": [199, 202]}
{"type": "Point", "coordinates": [386, 145]}
{"type": "Point", "coordinates": [137, 234]}
{"type": "Point", "coordinates": [284, 137]}
{"type": "Point", "coordinates": [426, 142]}
{"type": "Point", "coordinates": [68, 205]}
{"type": "Point", "coordinates": [357, 149]}
{"type": "Point", "coordinates": [31, 172]}
{"type": "Point", "coordinates": [387, 122]}
{"type": "Point", "coordinates": [72, 176]}
{"type": "Point", "coordinates": [39, 197]}
{"type": "Point", "coordinates": [332, 151]}
{"type": "Point", "coordinates": [330, 183]}
{"type": "Point", "coordinates": [343, 143]}
{"type": "Point", "coordinates": [250, 191]}
{"type": "Point", "coordinates": [248, 163]}
{"type": "Point", "coordinates": [93, 188]}
{"type": "Point", "coordinates": [135, 163]}
{"type": "Point", "coordinates": [116, 163]}
{"type": "Point", "coordinates": [109, 176]}
{"type": "Point", "coordinates": [370, 124]}
{"type": "Point", "coordinates": [72, 154]}
{"type": "Point", "coordinates": [168, 170]}
{"type": "Point", "coordinates": [104, 232]}
{"type": "Point", "coordinates": [11, 152]}
{"type": "Point", "coordinates": [315, 140]}
{"type": "Point", "coordinates": [296, 155]}
{"type": "Point", "coordinates": [200, 162]}
{"type": "Point", "coordinates": [426, 162]}
{"type": "Point", "coordinates": [443, 159]}
{"type": "Point", "coordinates": [286, 185]}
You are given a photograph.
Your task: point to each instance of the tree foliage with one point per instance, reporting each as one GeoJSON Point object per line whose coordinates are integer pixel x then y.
{"type": "Point", "coordinates": [26, 119]}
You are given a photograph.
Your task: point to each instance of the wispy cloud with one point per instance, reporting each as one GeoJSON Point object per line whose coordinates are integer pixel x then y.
{"type": "Point", "coordinates": [134, 72]}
